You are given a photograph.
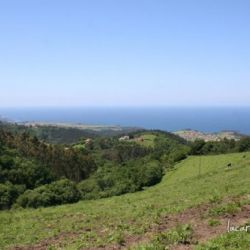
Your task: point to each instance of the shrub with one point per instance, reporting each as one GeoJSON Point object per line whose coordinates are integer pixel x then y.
{"type": "Point", "coordinates": [128, 177]}
{"type": "Point", "coordinates": [224, 209]}
{"type": "Point", "coordinates": [182, 234]}
{"type": "Point", "coordinates": [20, 171]}
{"type": "Point", "coordinates": [196, 147]}
{"type": "Point", "coordinates": [151, 174]}
{"type": "Point", "coordinates": [6, 161]}
{"type": "Point", "coordinates": [56, 193]}
{"type": "Point", "coordinates": [213, 223]}
{"type": "Point", "coordinates": [243, 144]}
{"type": "Point", "coordinates": [8, 194]}
{"type": "Point", "coordinates": [88, 189]}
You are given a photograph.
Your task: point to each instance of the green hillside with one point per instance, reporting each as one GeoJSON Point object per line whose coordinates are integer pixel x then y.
{"type": "Point", "coordinates": [139, 220]}
{"type": "Point", "coordinates": [59, 133]}
{"type": "Point", "coordinates": [36, 174]}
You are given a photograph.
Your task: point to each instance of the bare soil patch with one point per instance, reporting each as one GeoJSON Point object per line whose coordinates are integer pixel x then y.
{"type": "Point", "coordinates": [196, 217]}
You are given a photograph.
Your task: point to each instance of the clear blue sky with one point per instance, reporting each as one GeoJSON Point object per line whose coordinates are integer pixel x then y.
{"type": "Point", "coordinates": [124, 52]}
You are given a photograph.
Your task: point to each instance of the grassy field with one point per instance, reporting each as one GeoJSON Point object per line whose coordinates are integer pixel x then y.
{"type": "Point", "coordinates": [105, 222]}
{"type": "Point", "coordinates": [146, 140]}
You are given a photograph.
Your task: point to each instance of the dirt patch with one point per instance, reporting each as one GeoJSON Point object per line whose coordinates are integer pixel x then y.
{"type": "Point", "coordinates": [202, 231]}
{"type": "Point", "coordinates": [195, 216]}
{"type": "Point", "coordinates": [200, 225]}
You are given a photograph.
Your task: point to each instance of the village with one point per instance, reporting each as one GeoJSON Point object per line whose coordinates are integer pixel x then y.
{"type": "Point", "coordinates": [192, 135]}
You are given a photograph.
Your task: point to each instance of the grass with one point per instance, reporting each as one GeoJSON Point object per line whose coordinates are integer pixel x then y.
{"type": "Point", "coordinates": [229, 208]}
{"type": "Point", "coordinates": [229, 241]}
{"type": "Point", "coordinates": [182, 234]}
{"type": "Point", "coordinates": [213, 222]}
{"type": "Point", "coordinates": [107, 221]}
{"type": "Point", "coordinates": [146, 140]}
{"type": "Point", "coordinates": [79, 146]}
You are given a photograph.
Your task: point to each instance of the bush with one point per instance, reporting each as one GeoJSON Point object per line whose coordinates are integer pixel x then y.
{"type": "Point", "coordinates": [58, 192]}
{"type": "Point", "coordinates": [243, 144]}
{"type": "Point", "coordinates": [8, 194]}
{"type": "Point", "coordinates": [151, 174]}
{"type": "Point", "coordinates": [21, 171]}
{"type": "Point", "coordinates": [196, 147]}
{"type": "Point", "coordinates": [129, 177]}
{"type": "Point", "coordinates": [6, 161]}
{"type": "Point", "coordinates": [182, 234]}
{"type": "Point", "coordinates": [88, 189]}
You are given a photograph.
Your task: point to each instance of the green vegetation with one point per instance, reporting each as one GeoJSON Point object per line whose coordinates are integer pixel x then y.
{"type": "Point", "coordinates": [35, 174]}
{"type": "Point", "coordinates": [229, 208]}
{"type": "Point", "coordinates": [146, 140]}
{"type": "Point", "coordinates": [200, 147]}
{"type": "Point", "coordinates": [98, 167]}
{"type": "Point", "coordinates": [65, 133]}
{"type": "Point", "coordinates": [17, 174]}
{"type": "Point", "coordinates": [213, 222]}
{"type": "Point", "coordinates": [109, 221]}
{"type": "Point", "coordinates": [229, 241]}
{"type": "Point", "coordinates": [130, 177]}
{"type": "Point", "coordinates": [56, 193]}
{"type": "Point", "coordinates": [182, 234]}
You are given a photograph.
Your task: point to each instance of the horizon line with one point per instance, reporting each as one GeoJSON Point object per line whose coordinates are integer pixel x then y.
{"type": "Point", "coordinates": [125, 106]}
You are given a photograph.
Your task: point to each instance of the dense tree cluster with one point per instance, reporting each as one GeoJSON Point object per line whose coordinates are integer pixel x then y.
{"type": "Point", "coordinates": [124, 151]}
{"type": "Point", "coordinates": [34, 173]}
{"type": "Point", "coordinates": [27, 164]}
{"type": "Point", "coordinates": [62, 161]}
{"type": "Point", "coordinates": [56, 193]}
{"type": "Point", "coordinates": [200, 147]}
{"type": "Point", "coordinates": [116, 180]}
{"type": "Point", "coordinates": [18, 174]}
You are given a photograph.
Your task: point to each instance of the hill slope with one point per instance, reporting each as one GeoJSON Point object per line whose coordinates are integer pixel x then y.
{"type": "Point", "coordinates": [136, 219]}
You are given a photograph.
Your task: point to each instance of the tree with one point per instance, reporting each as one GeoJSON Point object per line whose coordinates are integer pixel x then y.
{"type": "Point", "coordinates": [58, 192]}
{"type": "Point", "coordinates": [196, 147]}
{"type": "Point", "coordinates": [243, 144]}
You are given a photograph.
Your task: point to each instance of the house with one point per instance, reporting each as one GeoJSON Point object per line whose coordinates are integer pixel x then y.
{"type": "Point", "coordinates": [87, 141]}
{"type": "Point", "coordinates": [124, 138]}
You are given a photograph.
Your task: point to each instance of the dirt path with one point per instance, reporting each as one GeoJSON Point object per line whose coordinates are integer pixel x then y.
{"type": "Point", "coordinates": [196, 217]}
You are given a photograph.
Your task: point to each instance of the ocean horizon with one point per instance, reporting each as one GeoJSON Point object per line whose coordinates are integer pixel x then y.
{"type": "Point", "coordinates": [206, 119]}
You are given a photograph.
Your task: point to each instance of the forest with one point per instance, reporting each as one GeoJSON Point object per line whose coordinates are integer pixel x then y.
{"type": "Point", "coordinates": [35, 173]}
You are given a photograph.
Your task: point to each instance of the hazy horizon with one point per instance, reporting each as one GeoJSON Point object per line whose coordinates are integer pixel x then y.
{"type": "Point", "coordinates": [123, 106]}
{"type": "Point", "coordinates": [206, 119]}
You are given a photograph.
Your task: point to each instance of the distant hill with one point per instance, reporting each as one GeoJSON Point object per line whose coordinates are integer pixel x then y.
{"type": "Point", "coordinates": [67, 133]}
{"type": "Point", "coordinates": [192, 135]}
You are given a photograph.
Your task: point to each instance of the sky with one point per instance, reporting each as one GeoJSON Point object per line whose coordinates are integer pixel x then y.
{"type": "Point", "coordinates": [124, 53]}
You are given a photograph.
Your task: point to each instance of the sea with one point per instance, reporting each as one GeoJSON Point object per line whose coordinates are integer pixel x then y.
{"type": "Point", "coordinates": [206, 119]}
